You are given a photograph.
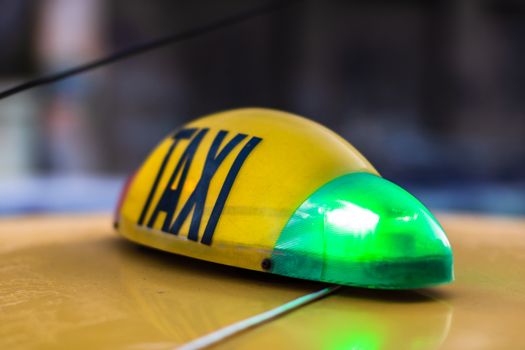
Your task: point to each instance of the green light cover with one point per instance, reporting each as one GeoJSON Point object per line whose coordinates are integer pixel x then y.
{"type": "Point", "coordinates": [363, 230]}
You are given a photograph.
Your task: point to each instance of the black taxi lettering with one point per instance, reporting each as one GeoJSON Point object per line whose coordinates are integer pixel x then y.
{"type": "Point", "coordinates": [194, 205]}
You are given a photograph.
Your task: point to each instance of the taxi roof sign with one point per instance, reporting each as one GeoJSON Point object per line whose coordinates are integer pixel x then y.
{"type": "Point", "coordinates": [267, 190]}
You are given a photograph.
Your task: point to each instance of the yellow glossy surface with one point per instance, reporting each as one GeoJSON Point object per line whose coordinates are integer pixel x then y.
{"type": "Point", "coordinates": [71, 282]}
{"type": "Point", "coordinates": [295, 157]}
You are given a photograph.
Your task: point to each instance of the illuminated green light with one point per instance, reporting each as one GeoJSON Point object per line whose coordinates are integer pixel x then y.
{"type": "Point", "coordinates": [363, 230]}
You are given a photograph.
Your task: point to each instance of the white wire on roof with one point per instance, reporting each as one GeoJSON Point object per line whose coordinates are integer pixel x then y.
{"type": "Point", "coordinates": [223, 333]}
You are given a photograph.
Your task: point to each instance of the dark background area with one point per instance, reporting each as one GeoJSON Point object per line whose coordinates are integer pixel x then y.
{"type": "Point", "coordinates": [432, 93]}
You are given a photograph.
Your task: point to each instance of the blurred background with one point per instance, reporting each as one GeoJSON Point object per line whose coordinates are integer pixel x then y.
{"type": "Point", "coordinates": [432, 93]}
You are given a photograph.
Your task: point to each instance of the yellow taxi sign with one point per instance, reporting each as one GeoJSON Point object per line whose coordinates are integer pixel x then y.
{"type": "Point", "coordinates": [232, 188]}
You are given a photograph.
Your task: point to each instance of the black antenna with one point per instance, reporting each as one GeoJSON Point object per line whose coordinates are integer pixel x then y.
{"type": "Point", "coordinates": [147, 46]}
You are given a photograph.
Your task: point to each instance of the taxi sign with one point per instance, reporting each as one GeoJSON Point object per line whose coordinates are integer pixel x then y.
{"type": "Point", "coordinates": [271, 191]}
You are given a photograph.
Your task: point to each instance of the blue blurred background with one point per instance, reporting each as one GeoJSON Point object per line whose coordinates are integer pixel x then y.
{"type": "Point", "coordinates": [432, 93]}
